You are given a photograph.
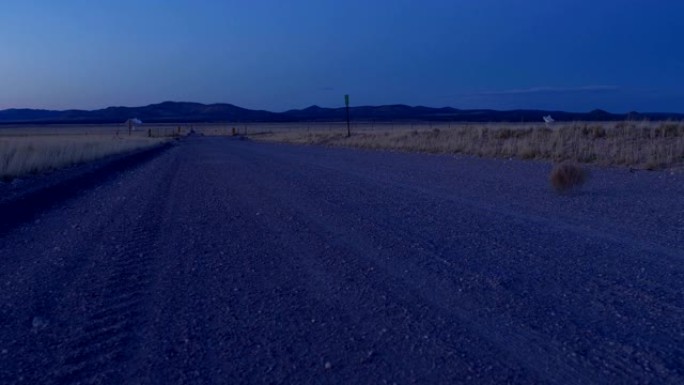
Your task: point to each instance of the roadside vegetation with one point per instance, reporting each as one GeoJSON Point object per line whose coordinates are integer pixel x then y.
{"type": "Point", "coordinates": [567, 176]}
{"type": "Point", "coordinates": [645, 145]}
{"type": "Point", "coordinates": [21, 155]}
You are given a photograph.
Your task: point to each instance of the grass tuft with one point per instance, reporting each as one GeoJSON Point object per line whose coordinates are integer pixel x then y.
{"type": "Point", "coordinates": [567, 176]}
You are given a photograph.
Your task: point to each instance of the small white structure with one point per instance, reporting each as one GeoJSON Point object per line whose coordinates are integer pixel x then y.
{"type": "Point", "coordinates": [548, 120]}
{"type": "Point", "coordinates": [132, 123]}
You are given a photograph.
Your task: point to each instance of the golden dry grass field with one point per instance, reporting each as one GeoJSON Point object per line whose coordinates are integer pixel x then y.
{"type": "Point", "coordinates": [648, 145]}
{"type": "Point", "coordinates": [32, 150]}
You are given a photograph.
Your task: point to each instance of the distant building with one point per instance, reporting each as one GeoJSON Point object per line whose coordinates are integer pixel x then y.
{"type": "Point", "coordinates": [132, 123]}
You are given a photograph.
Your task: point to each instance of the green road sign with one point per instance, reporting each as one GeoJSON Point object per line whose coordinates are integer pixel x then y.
{"type": "Point", "coordinates": [346, 100]}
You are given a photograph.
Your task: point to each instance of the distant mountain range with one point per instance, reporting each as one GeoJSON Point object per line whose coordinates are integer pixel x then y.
{"type": "Point", "coordinates": [184, 112]}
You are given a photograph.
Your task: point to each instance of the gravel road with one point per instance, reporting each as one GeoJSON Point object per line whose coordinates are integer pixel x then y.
{"type": "Point", "coordinates": [224, 261]}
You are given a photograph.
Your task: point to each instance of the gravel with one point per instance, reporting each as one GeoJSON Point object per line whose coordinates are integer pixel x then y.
{"type": "Point", "coordinates": [227, 261]}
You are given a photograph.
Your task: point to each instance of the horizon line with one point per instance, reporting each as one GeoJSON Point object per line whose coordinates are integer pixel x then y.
{"type": "Point", "coordinates": [341, 107]}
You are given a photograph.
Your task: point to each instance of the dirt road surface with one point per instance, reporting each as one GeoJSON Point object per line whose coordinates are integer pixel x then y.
{"type": "Point", "coordinates": [224, 261]}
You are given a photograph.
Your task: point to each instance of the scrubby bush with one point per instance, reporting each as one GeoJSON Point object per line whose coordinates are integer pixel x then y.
{"type": "Point", "coordinates": [567, 176]}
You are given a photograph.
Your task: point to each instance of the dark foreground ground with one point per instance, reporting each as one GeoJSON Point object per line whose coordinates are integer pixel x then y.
{"type": "Point", "coordinates": [223, 261]}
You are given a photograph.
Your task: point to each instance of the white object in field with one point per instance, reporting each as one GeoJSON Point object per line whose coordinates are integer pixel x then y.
{"type": "Point", "coordinates": [133, 122]}
{"type": "Point", "coordinates": [548, 119]}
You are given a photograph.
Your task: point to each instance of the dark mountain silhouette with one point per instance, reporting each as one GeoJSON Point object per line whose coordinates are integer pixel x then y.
{"type": "Point", "coordinates": [185, 112]}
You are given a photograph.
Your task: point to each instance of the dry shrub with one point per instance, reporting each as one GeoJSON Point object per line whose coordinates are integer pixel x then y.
{"type": "Point", "coordinates": [567, 176]}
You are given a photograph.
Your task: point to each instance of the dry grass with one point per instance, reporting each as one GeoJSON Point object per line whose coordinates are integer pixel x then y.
{"type": "Point", "coordinates": [650, 145]}
{"type": "Point", "coordinates": [20, 155]}
{"type": "Point", "coordinates": [34, 149]}
{"type": "Point", "coordinates": [567, 176]}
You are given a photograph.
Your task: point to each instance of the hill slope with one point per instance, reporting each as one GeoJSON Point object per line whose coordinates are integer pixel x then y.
{"type": "Point", "coordinates": [223, 112]}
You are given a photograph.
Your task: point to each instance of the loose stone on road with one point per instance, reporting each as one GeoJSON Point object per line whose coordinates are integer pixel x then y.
{"type": "Point", "coordinates": [226, 261]}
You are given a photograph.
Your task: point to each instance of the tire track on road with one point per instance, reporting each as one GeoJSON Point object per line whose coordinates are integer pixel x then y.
{"type": "Point", "coordinates": [110, 328]}
{"type": "Point", "coordinates": [102, 350]}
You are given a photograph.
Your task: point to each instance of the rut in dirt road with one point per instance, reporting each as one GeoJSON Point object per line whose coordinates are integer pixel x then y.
{"type": "Point", "coordinates": [114, 314]}
{"type": "Point", "coordinates": [225, 261]}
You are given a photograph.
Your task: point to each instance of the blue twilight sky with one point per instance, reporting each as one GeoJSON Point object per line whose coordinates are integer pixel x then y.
{"type": "Point", "coordinates": [576, 55]}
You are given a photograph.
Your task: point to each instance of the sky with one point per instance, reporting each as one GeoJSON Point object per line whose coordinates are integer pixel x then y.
{"type": "Point", "coordinates": [573, 55]}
